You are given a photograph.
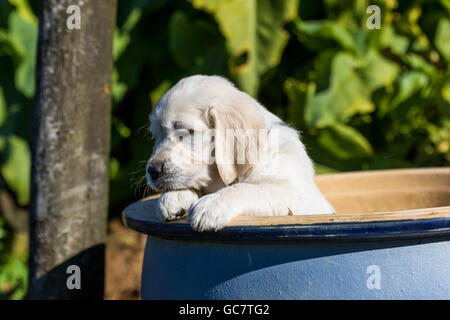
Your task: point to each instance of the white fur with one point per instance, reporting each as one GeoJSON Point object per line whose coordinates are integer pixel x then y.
{"type": "Point", "coordinates": [281, 181]}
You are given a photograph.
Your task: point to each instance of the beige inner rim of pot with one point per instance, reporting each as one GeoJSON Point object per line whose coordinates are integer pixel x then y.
{"type": "Point", "coordinates": [360, 196]}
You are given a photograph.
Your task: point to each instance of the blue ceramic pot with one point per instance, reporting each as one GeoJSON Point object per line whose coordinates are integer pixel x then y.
{"type": "Point", "coordinates": [391, 255]}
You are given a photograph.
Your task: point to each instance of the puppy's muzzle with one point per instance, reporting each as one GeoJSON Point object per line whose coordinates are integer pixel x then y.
{"type": "Point", "coordinates": [155, 171]}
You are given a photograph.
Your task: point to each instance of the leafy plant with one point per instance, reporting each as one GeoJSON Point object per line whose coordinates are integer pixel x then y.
{"type": "Point", "coordinates": [18, 39]}
{"type": "Point", "coordinates": [13, 263]}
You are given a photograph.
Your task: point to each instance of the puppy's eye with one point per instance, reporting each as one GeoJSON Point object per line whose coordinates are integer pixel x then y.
{"type": "Point", "coordinates": [183, 133]}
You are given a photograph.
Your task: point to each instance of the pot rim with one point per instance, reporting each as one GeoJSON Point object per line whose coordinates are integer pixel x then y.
{"type": "Point", "coordinates": [421, 223]}
{"type": "Point", "coordinates": [341, 231]}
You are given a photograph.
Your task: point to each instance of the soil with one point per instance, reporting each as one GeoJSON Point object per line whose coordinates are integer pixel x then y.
{"type": "Point", "coordinates": [124, 254]}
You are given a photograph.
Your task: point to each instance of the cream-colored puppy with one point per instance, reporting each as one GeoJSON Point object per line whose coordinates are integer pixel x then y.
{"type": "Point", "coordinates": [219, 154]}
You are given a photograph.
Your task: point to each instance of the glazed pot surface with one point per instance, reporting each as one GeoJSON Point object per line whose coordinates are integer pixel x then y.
{"type": "Point", "coordinates": [390, 239]}
{"type": "Point", "coordinates": [326, 270]}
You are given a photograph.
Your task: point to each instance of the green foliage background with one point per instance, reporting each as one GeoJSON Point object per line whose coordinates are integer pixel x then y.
{"type": "Point", "coordinates": [363, 99]}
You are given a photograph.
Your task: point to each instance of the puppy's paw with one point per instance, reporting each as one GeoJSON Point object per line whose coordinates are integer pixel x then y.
{"type": "Point", "coordinates": [209, 213]}
{"type": "Point", "coordinates": [174, 204]}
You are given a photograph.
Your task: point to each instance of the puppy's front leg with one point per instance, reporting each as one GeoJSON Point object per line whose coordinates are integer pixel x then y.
{"type": "Point", "coordinates": [173, 204]}
{"type": "Point", "coordinates": [215, 210]}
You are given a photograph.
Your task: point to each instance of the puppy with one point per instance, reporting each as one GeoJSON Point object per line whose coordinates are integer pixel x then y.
{"type": "Point", "coordinates": [218, 154]}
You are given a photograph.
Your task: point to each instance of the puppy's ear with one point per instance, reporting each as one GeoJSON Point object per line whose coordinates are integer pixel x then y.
{"type": "Point", "coordinates": [232, 126]}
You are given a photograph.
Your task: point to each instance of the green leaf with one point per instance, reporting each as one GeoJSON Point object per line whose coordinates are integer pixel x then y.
{"type": "Point", "coordinates": [321, 169]}
{"type": "Point", "coordinates": [3, 110]}
{"type": "Point", "coordinates": [314, 33]}
{"type": "Point", "coordinates": [122, 35]}
{"type": "Point", "coordinates": [255, 38]}
{"type": "Point", "coordinates": [377, 71]}
{"type": "Point", "coordinates": [13, 274]}
{"type": "Point", "coordinates": [159, 91]}
{"type": "Point", "coordinates": [24, 10]}
{"type": "Point", "coordinates": [15, 166]}
{"type": "Point", "coordinates": [446, 5]}
{"type": "Point", "coordinates": [123, 130]}
{"type": "Point", "coordinates": [119, 88]}
{"type": "Point", "coordinates": [9, 47]}
{"type": "Point", "coordinates": [442, 38]}
{"type": "Point", "coordinates": [398, 44]}
{"type": "Point", "coordinates": [193, 42]}
{"type": "Point", "coordinates": [409, 83]}
{"type": "Point", "coordinates": [114, 167]}
{"type": "Point", "coordinates": [418, 62]}
{"type": "Point", "coordinates": [24, 34]}
{"type": "Point", "coordinates": [346, 96]}
{"type": "Point", "coordinates": [445, 91]}
{"type": "Point", "coordinates": [345, 142]}
{"type": "Point", "coordinates": [351, 85]}
{"type": "Point", "coordinates": [296, 92]}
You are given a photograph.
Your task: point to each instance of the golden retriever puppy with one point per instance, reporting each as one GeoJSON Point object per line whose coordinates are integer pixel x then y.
{"type": "Point", "coordinates": [218, 154]}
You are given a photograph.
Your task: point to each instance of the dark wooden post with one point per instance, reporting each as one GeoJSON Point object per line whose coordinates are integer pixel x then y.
{"type": "Point", "coordinates": [69, 187]}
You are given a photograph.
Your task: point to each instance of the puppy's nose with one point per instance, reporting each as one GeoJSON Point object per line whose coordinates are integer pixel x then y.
{"type": "Point", "coordinates": [155, 171]}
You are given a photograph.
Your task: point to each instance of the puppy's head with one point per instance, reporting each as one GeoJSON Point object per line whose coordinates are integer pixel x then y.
{"type": "Point", "coordinates": [195, 125]}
